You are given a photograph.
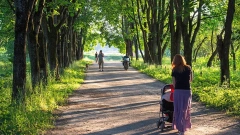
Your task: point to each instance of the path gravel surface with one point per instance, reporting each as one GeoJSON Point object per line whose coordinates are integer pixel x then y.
{"type": "Point", "coordinates": [127, 103]}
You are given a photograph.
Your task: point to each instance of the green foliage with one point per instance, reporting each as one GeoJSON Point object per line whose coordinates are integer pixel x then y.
{"type": "Point", "coordinates": [7, 20]}
{"type": "Point", "coordinates": [205, 85]}
{"type": "Point", "coordinates": [5, 65]}
{"type": "Point", "coordinates": [104, 20]}
{"type": "Point", "coordinates": [221, 98]}
{"type": "Point", "coordinates": [37, 114]}
{"type": "Point", "coordinates": [161, 73]}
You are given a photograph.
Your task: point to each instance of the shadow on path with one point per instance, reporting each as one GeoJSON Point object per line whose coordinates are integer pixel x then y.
{"type": "Point", "coordinates": [127, 102]}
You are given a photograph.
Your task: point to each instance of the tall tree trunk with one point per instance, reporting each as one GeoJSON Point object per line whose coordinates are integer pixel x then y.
{"type": "Point", "coordinates": [144, 32]}
{"type": "Point", "coordinates": [128, 43]}
{"type": "Point", "coordinates": [33, 49]}
{"type": "Point", "coordinates": [126, 31]}
{"type": "Point", "coordinates": [54, 24]}
{"type": "Point", "coordinates": [137, 37]}
{"type": "Point", "coordinates": [64, 44]}
{"type": "Point", "coordinates": [152, 9]}
{"type": "Point", "coordinates": [43, 58]}
{"type": "Point", "coordinates": [43, 55]}
{"type": "Point", "coordinates": [33, 45]}
{"type": "Point", "coordinates": [189, 34]}
{"type": "Point", "coordinates": [52, 50]}
{"type": "Point", "coordinates": [61, 49]}
{"type": "Point", "coordinates": [74, 45]}
{"type": "Point", "coordinates": [82, 46]}
{"type": "Point", "coordinates": [79, 43]}
{"type": "Point", "coordinates": [136, 47]}
{"type": "Point", "coordinates": [162, 16]}
{"type": "Point", "coordinates": [175, 31]}
{"type": "Point", "coordinates": [23, 12]}
{"type": "Point", "coordinates": [224, 46]}
{"type": "Point", "coordinates": [70, 36]}
{"type": "Point", "coordinates": [59, 55]}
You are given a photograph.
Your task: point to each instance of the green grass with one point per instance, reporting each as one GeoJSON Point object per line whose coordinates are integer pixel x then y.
{"type": "Point", "coordinates": [205, 85]}
{"type": "Point", "coordinates": [37, 115]}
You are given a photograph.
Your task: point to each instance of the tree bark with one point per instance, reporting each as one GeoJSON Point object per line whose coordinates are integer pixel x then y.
{"type": "Point", "coordinates": [43, 58]}
{"type": "Point", "coordinates": [33, 45]}
{"type": "Point", "coordinates": [138, 44]}
{"type": "Point", "coordinates": [64, 47]}
{"type": "Point", "coordinates": [175, 31]}
{"type": "Point", "coordinates": [195, 52]}
{"type": "Point", "coordinates": [70, 39]}
{"type": "Point", "coordinates": [23, 12]}
{"type": "Point", "coordinates": [79, 43]}
{"type": "Point", "coordinates": [142, 27]}
{"type": "Point", "coordinates": [209, 63]}
{"type": "Point", "coordinates": [54, 25]}
{"type": "Point", "coordinates": [188, 33]}
{"type": "Point", "coordinates": [224, 46]}
{"type": "Point", "coordinates": [136, 47]}
{"type": "Point", "coordinates": [234, 56]}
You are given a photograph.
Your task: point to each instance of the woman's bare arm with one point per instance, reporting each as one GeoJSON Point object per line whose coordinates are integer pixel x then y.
{"type": "Point", "coordinates": [173, 81]}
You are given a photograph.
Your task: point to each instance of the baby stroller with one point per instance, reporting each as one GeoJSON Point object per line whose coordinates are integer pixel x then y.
{"type": "Point", "coordinates": [166, 106]}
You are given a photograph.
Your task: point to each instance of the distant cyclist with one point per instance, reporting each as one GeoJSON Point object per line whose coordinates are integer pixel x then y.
{"type": "Point", "coordinates": [126, 57]}
{"type": "Point", "coordinates": [100, 60]}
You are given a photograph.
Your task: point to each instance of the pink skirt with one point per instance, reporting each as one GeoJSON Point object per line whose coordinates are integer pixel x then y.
{"type": "Point", "coordinates": [182, 106]}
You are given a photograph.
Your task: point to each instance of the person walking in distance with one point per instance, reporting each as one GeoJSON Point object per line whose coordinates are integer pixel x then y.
{"type": "Point", "coordinates": [100, 60]}
{"type": "Point", "coordinates": [96, 57]}
{"type": "Point", "coordinates": [181, 78]}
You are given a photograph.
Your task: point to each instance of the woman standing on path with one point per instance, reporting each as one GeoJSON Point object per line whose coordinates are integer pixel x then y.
{"type": "Point", "coordinates": [181, 77]}
{"type": "Point", "coordinates": [100, 60]}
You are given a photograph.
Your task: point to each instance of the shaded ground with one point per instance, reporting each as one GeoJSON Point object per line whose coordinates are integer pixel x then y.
{"type": "Point", "coordinates": [127, 103]}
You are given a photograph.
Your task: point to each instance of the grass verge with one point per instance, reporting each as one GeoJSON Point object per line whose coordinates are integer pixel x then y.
{"type": "Point", "coordinates": [37, 114]}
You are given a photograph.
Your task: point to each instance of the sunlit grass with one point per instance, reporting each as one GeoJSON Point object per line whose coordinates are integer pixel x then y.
{"type": "Point", "coordinates": [37, 115]}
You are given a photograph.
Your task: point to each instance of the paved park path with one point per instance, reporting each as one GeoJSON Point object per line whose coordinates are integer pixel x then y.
{"type": "Point", "coordinates": [127, 103]}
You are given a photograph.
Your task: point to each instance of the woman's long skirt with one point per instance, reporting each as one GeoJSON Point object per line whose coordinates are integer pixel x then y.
{"type": "Point", "coordinates": [182, 106]}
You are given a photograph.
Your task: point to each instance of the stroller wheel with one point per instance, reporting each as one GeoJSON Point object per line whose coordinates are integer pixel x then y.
{"type": "Point", "coordinates": [162, 126]}
{"type": "Point", "coordinates": [159, 123]}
